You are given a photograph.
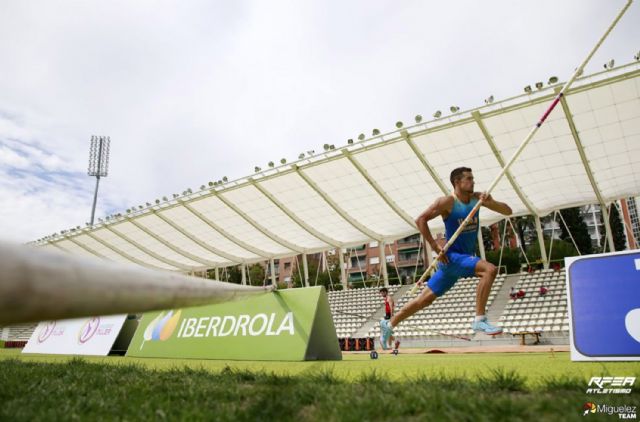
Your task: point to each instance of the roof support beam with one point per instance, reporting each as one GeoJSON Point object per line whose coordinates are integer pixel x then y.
{"type": "Point", "coordinates": [199, 242]}
{"type": "Point", "coordinates": [123, 253]}
{"type": "Point", "coordinates": [392, 204]}
{"type": "Point", "coordinates": [150, 252]}
{"type": "Point", "coordinates": [259, 226]}
{"type": "Point", "coordinates": [326, 239]}
{"type": "Point", "coordinates": [343, 270]}
{"type": "Point", "coordinates": [540, 233]}
{"type": "Point", "coordinates": [587, 168]}
{"type": "Point", "coordinates": [58, 247]}
{"type": "Point", "coordinates": [85, 247]}
{"type": "Point", "coordinates": [370, 233]}
{"type": "Point", "coordinates": [496, 152]}
{"type": "Point", "coordinates": [224, 233]}
{"type": "Point", "coordinates": [383, 264]}
{"type": "Point", "coordinates": [481, 245]}
{"type": "Point", "coordinates": [272, 267]}
{"type": "Point", "coordinates": [305, 268]}
{"type": "Point", "coordinates": [436, 178]}
{"type": "Point", "coordinates": [523, 197]}
{"type": "Point", "coordinates": [176, 249]}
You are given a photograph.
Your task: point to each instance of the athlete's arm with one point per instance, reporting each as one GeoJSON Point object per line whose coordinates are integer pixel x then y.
{"type": "Point", "coordinates": [492, 204]}
{"type": "Point", "coordinates": [441, 207]}
{"type": "Point", "coordinates": [392, 305]}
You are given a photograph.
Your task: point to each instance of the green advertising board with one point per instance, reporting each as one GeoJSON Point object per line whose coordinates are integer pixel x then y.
{"type": "Point", "coordinates": [294, 324]}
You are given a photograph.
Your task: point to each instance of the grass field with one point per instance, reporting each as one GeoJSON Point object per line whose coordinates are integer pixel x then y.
{"type": "Point", "coordinates": [470, 387]}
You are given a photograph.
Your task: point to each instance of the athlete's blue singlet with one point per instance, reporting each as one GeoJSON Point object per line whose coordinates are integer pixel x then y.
{"type": "Point", "coordinates": [466, 242]}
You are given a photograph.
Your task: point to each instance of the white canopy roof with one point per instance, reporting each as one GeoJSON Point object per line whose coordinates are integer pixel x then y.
{"type": "Point", "coordinates": [588, 151]}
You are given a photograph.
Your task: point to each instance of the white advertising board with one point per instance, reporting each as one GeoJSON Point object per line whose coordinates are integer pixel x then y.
{"type": "Point", "coordinates": [81, 336]}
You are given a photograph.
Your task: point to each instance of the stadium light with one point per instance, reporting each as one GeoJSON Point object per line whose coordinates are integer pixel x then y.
{"type": "Point", "coordinates": [527, 89]}
{"type": "Point", "coordinates": [609, 64]}
{"type": "Point", "coordinates": [489, 100]}
{"type": "Point", "coordinates": [454, 109]}
{"type": "Point", "coordinates": [437, 114]}
{"type": "Point", "coordinates": [98, 164]}
{"type": "Point", "coordinates": [375, 132]}
{"type": "Point", "coordinates": [637, 56]}
{"type": "Point", "coordinates": [553, 80]}
{"type": "Point", "coordinates": [361, 137]}
{"type": "Point", "coordinates": [418, 118]}
{"type": "Point", "coordinates": [399, 124]}
{"type": "Point", "coordinates": [539, 85]}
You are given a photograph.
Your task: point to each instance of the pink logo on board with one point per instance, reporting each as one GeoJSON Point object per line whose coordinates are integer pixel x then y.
{"type": "Point", "coordinates": [46, 331]}
{"type": "Point", "coordinates": [88, 330]}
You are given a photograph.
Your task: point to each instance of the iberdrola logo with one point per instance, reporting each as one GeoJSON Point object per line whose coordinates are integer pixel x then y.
{"type": "Point", "coordinates": [161, 327]}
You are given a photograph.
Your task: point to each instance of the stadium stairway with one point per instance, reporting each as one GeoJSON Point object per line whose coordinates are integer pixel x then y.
{"type": "Point", "coordinates": [377, 316]}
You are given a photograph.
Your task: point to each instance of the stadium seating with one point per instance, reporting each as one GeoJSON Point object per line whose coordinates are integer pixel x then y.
{"type": "Point", "coordinates": [19, 333]}
{"type": "Point", "coordinates": [452, 314]}
{"type": "Point", "coordinates": [547, 313]}
{"type": "Point", "coordinates": [352, 308]}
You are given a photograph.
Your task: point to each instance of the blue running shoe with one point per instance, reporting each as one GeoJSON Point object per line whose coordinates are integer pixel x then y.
{"type": "Point", "coordinates": [385, 332]}
{"type": "Point", "coordinates": [484, 326]}
{"type": "Point", "coordinates": [383, 343]}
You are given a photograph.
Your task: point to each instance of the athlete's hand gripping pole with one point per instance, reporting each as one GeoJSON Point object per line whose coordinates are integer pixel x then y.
{"type": "Point", "coordinates": [524, 143]}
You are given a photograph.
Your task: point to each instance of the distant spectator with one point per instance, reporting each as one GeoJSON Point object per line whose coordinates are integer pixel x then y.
{"type": "Point", "coordinates": [521, 294]}
{"type": "Point", "coordinates": [512, 293]}
{"type": "Point", "coordinates": [543, 290]}
{"type": "Point", "coordinates": [389, 308]}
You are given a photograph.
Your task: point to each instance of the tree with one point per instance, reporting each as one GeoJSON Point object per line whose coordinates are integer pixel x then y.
{"type": "Point", "coordinates": [510, 259]}
{"type": "Point", "coordinates": [257, 275]}
{"type": "Point", "coordinates": [234, 275]}
{"type": "Point", "coordinates": [486, 239]}
{"type": "Point", "coordinates": [617, 230]}
{"type": "Point", "coordinates": [578, 229]}
{"type": "Point", "coordinates": [561, 249]}
{"type": "Point", "coordinates": [329, 279]}
{"type": "Point", "coordinates": [525, 224]}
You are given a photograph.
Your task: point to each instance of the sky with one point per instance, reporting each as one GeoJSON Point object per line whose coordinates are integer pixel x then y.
{"type": "Point", "coordinates": [193, 91]}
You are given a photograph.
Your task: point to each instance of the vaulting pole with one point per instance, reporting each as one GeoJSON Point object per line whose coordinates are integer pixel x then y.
{"type": "Point", "coordinates": [524, 143]}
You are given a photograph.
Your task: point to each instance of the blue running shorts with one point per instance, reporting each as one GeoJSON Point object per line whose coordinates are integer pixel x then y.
{"type": "Point", "coordinates": [460, 265]}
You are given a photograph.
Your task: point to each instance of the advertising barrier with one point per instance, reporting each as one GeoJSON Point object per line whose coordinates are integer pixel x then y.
{"type": "Point", "coordinates": [604, 306]}
{"type": "Point", "coordinates": [293, 324]}
{"type": "Point", "coordinates": [81, 336]}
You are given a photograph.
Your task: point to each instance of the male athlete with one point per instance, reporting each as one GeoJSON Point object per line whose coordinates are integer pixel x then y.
{"type": "Point", "coordinates": [389, 309]}
{"type": "Point", "coordinates": [459, 260]}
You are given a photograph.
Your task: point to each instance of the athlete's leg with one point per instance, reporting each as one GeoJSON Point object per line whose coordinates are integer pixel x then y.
{"type": "Point", "coordinates": [425, 299]}
{"type": "Point", "coordinates": [438, 284]}
{"type": "Point", "coordinates": [487, 273]}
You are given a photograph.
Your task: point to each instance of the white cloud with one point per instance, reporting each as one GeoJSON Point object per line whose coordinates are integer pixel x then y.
{"type": "Point", "coordinates": [192, 91]}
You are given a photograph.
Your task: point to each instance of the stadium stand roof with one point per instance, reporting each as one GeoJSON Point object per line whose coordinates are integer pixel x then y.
{"type": "Point", "coordinates": [587, 152]}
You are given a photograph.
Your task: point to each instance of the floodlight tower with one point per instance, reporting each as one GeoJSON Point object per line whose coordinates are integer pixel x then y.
{"type": "Point", "coordinates": [98, 164]}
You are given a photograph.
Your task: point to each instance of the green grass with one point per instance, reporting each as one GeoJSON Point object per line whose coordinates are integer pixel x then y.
{"type": "Point", "coordinates": [475, 387]}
